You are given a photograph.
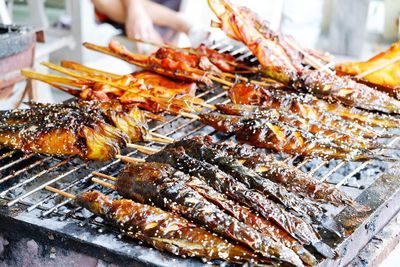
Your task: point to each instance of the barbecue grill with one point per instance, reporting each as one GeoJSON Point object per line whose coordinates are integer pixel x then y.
{"type": "Point", "coordinates": [27, 207]}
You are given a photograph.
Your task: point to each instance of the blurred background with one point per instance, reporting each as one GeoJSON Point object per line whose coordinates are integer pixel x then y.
{"type": "Point", "coordinates": [350, 30]}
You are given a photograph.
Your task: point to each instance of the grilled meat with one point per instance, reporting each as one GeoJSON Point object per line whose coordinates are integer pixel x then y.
{"type": "Point", "coordinates": [279, 172]}
{"type": "Point", "coordinates": [162, 185]}
{"type": "Point", "coordinates": [130, 121]}
{"type": "Point", "coordinates": [177, 65]}
{"type": "Point", "coordinates": [247, 216]}
{"type": "Point", "coordinates": [283, 63]}
{"type": "Point", "coordinates": [297, 121]}
{"type": "Point", "coordinates": [162, 230]}
{"type": "Point", "coordinates": [306, 106]}
{"type": "Point", "coordinates": [281, 137]}
{"type": "Point", "coordinates": [385, 79]}
{"type": "Point", "coordinates": [200, 150]}
{"type": "Point", "coordinates": [65, 129]}
{"type": "Point", "coordinates": [224, 183]}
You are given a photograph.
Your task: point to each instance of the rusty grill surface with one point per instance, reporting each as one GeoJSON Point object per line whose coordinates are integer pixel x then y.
{"type": "Point", "coordinates": [26, 205]}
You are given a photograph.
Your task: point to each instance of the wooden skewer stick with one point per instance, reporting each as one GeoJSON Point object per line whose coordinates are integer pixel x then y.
{"type": "Point", "coordinates": [105, 176]}
{"type": "Point", "coordinates": [51, 78]}
{"type": "Point", "coordinates": [141, 64]}
{"type": "Point", "coordinates": [189, 115]}
{"type": "Point", "coordinates": [81, 68]}
{"type": "Point", "coordinates": [105, 184]}
{"type": "Point", "coordinates": [144, 149]}
{"type": "Point", "coordinates": [156, 139]}
{"type": "Point", "coordinates": [60, 192]}
{"type": "Point", "coordinates": [376, 68]}
{"type": "Point", "coordinates": [163, 136]}
{"type": "Point", "coordinates": [129, 159]}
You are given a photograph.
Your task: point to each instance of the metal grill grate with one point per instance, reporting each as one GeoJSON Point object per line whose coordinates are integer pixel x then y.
{"type": "Point", "coordinates": [24, 177]}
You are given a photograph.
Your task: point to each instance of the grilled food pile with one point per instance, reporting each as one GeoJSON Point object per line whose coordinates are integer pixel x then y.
{"type": "Point", "coordinates": [300, 124]}
{"type": "Point", "coordinates": [90, 130]}
{"type": "Point", "coordinates": [238, 194]}
{"type": "Point", "coordinates": [219, 201]}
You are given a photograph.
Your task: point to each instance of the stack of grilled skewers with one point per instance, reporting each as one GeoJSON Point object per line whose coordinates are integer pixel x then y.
{"type": "Point", "coordinates": [252, 206]}
{"type": "Point", "coordinates": [91, 130]}
{"type": "Point", "coordinates": [257, 201]}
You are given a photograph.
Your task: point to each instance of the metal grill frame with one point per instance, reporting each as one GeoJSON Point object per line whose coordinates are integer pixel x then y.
{"type": "Point", "coordinates": [46, 216]}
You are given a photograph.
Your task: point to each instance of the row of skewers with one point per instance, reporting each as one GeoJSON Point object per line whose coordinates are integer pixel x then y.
{"type": "Point", "coordinates": [288, 121]}
{"type": "Point", "coordinates": [254, 207]}
{"type": "Point", "coordinates": [265, 207]}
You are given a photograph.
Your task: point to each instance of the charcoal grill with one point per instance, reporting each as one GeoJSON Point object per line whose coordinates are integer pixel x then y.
{"type": "Point", "coordinates": [29, 209]}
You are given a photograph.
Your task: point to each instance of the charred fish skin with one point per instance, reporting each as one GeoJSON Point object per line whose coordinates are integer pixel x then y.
{"type": "Point", "coordinates": [293, 119]}
{"type": "Point", "coordinates": [280, 172]}
{"type": "Point", "coordinates": [306, 106]}
{"type": "Point", "coordinates": [225, 183]}
{"type": "Point", "coordinates": [165, 231]}
{"type": "Point", "coordinates": [161, 185]}
{"type": "Point", "coordinates": [252, 219]}
{"type": "Point", "coordinates": [198, 150]}
{"type": "Point", "coordinates": [194, 147]}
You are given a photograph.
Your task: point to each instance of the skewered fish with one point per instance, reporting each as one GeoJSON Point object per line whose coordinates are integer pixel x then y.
{"type": "Point", "coordinates": [304, 124]}
{"type": "Point", "coordinates": [71, 129]}
{"type": "Point", "coordinates": [252, 219]}
{"type": "Point", "coordinates": [198, 149]}
{"type": "Point", "coordinates": [224, 183]}
{"type": "Point", "coordinates": [162, 185]}
{"type": "Point", "coordinates": [283, 63]}
{"type": "Point", "coordinates": [335, 115]}
{"type": "Point", "coordinates": [281, 137]}
{"type": "Point", "coordinates": [162, 230]}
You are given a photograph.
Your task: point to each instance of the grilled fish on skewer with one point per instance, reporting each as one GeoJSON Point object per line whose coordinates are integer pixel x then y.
{"type": "Point", "coordinates": [162, 230]}
{"type": "Point", "coordinates": [305, 106]}
{"type": "Point", "coordinates": [224, 183]}
{"type": "Point", "coordinates": [284, 138]}
{"type": "Point", "coordinates": [132, 124]}
{"type": "Point", "coordinates": [163, 186]}
{"type": "Point", "coordinates": [284, 65]}
{"type": "Point", "coordinates": [278, 171]}
{"type": "Point", "coordinates": [250, 218]}
{"type": "Point", "coordinates": [83, 141]}
{"type": "Point", "coordinates": [195, 148]}
{"type": "Point", "coordinates": [295, 120]}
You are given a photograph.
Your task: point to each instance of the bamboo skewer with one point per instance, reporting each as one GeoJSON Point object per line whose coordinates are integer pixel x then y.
{"type": "Point", "coordinates": [129, 159]}
{"type": "Point", "coordinates": [105, 184]}
{"type": "Point", "coordinates": [60, 192]}
{"type": "Point", "coordinates": [105, 176]}
{"type": "Point", "coordinates": [376, 68]}
{"type": "Point", "coordinates": [81, 68]}
{"type": "Point", "coordinates": [144, 149]}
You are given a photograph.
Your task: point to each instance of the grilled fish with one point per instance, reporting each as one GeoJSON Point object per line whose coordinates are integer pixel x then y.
{"type": "Point", "coordinates": [304, 124]}
{"type": "Point", "coordinates": [281, 137]}
{"type": "Point", "coordinates": [306, 106]}
{"type": "Point", "coordinates": [161, 185]}
{"type": "Point", "coordinates": [163, 230]}
{"type": "Point", "coordinates": [196, 148]}
{"type": "Point", "coordinates": [224, 183]}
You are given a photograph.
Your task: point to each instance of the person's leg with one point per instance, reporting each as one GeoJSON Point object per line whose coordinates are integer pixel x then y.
{"type": "Point", "coordinates": [113, 9]}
